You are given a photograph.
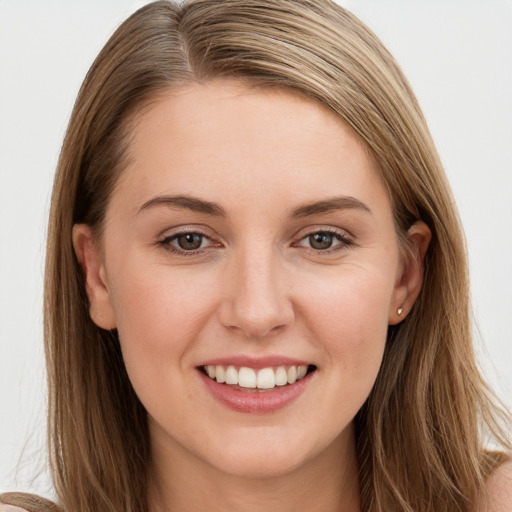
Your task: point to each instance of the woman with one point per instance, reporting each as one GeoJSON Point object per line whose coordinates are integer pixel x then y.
{"type": "Point", "coordinates": [256, 289]}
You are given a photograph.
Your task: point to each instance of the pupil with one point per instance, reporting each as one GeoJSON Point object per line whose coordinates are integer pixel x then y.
{"type": "Point", "coordinates": [190, 241]}
{"type": "Point", "coordinates": [320, 240]}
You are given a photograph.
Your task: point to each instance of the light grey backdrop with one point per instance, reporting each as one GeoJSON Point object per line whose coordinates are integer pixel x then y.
{"type": "Point", "coordinates": [458, 57]}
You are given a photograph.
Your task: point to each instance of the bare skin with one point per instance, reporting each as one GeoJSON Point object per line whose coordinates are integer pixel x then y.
{"type": "Point", "coordinates": [322, 485]}
{"type": "Point", "coordinates": [296, 258]}
{"type": "Point", "coordinates": [498, 496]}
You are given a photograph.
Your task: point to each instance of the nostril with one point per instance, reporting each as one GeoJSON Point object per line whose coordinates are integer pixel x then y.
{"type": "Point", "coordinates": [254, 332]}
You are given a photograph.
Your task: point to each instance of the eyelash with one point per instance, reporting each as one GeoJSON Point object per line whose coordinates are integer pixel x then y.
{"type": "Point", "coordinates": [344, 242]}
{"type": "Point", "coordinates": [166, 243]}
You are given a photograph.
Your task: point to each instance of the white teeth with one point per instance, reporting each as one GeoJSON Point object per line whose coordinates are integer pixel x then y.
{"type": "Point", "coordinates": [292, 374]}
{"type": "Point", "coordinates": [265, 378]}
{"type": "Point", "coordinates": [281, 376]}
{"type": "Point", "coordinates": [301, 372]}
{"type": "Point", "coordinates": [231, 375]}
{"type": "Point", "coordinates": [246, 378]}
{"type": "Point", "coordinates": [220, 374]}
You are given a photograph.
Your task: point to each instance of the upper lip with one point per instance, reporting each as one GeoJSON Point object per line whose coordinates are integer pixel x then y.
{"type": "Point", "coordinates": [255, 362]}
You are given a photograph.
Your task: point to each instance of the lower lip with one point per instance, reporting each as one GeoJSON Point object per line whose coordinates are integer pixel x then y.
{"type": "Point", "coordinates": [254, 401]}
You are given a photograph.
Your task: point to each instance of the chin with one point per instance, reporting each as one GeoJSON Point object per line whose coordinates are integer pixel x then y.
{"type": "Point", "coordinates": [266, 455]}
{"type": "Point", "coordinates": [261, 466]}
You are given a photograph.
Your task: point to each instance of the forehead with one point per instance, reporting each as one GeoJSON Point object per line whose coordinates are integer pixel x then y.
{"type": "Point", "coordinates": [223, 140]}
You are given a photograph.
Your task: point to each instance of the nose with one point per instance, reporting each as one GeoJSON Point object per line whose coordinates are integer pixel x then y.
{"type": "Point", "coordinates": [256, 303]}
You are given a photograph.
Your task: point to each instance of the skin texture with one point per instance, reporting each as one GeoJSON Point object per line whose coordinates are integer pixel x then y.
{"type": "Point", "coordinates": [499, 491]}
{"type": "Point", "coordinates": [255, 288]}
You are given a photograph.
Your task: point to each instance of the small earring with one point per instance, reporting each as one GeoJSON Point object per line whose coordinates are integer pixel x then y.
{"type": "Point", "coordinates": [99, 313]}
{"type": "Point", "coordinates": [400, 311]}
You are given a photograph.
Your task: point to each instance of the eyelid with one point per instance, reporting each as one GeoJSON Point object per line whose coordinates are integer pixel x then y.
{"type": "Point", "coordinates": [186, 228]}
{"type": "Point", "coordinates": [343, 236]}
{"type": "Point", "coordinates": [322, 228]}
{"type": "Point", "coordinates": [165, 238]}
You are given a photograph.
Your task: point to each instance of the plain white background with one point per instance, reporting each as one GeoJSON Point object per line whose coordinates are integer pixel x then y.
{"type": "Point", "coordinates": [456, 53]}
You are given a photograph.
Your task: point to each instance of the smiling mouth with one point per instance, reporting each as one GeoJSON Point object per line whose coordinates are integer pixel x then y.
{"type": "Point", "coordinates": [263, 379]}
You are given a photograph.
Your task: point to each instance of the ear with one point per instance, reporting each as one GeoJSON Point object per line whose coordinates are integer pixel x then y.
{"type": "Point", "coordinates": [96, 284]}
{"type": "Point", "coordinates": [410, 277]}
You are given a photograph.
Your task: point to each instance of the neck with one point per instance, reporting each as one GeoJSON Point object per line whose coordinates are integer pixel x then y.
{"type": "Point", "coordinates": [329, 482]}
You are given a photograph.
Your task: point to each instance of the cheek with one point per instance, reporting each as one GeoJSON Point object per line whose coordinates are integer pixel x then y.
{"type": "Point", "coordinates": [159, 313]}
{"type": "Point", "coordinates": [353, 298]}
{"type": "Point", "coordinates": [348, 315]}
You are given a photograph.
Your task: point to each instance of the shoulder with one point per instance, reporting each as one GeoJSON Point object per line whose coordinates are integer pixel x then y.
{"type": "Point", "coordinates": [498, 491]}
{"type": "Point", "coordinates": [23, 502]}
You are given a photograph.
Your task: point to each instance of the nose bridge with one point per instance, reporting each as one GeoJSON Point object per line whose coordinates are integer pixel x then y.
{"type": "Point", "coordinates": [257, 303]}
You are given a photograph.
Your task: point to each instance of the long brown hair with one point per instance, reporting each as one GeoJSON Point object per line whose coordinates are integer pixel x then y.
{"type": "Point", "coordinates": [421, 434]}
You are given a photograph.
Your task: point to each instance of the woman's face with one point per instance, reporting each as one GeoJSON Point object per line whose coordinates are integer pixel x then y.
{"type": "Point", "coordinates": [250, 237]}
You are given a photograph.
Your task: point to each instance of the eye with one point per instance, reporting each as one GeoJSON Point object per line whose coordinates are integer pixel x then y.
{"type": "Point", "coordinates": [325, 241]}
{"type": "Point", "coordinates": [321, 241]}
{"type": "Point", "coordinates": [187, 242]}
{"type": "Point", "coordinates": [190, 241]}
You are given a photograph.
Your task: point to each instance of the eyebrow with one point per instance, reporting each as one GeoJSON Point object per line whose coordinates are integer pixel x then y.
{"type": "Point", "coordinates": [329, 205]}
{"type": "Point", "coordinates": [188, 202]}
{"type": "Point", "coordinates": [305, 210]}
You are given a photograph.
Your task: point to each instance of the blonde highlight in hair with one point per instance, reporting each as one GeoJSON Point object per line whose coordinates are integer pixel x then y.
{"type": "Point", "coordinates": [420, 433]}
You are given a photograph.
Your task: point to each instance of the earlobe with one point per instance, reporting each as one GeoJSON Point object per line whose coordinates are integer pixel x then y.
{"type": "Point", "coordinates": [410, 280]}
{"type": "Point", "coordinates": [96, 283]}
